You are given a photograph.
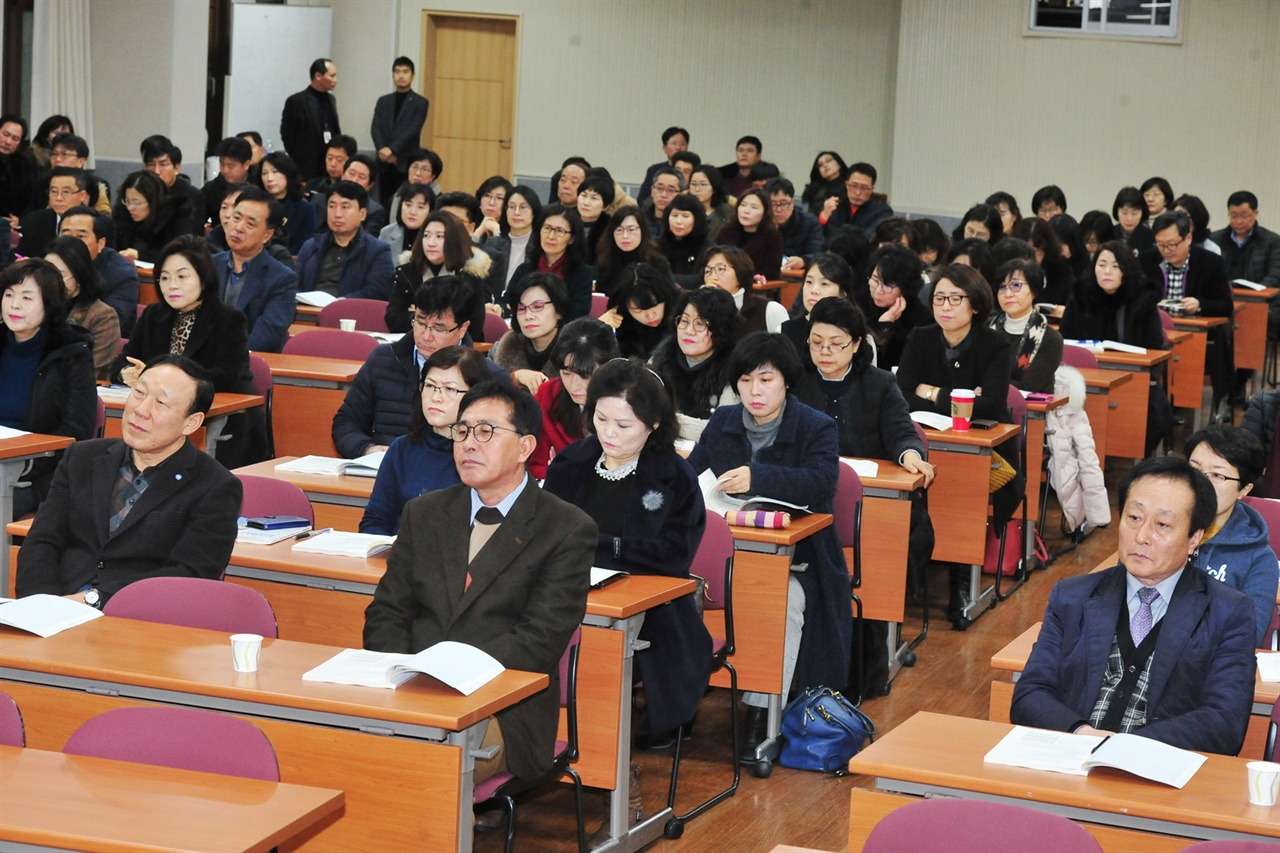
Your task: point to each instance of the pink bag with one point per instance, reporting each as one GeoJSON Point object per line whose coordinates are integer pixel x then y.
{"type": "Point", "coordinates": [1012, 549]}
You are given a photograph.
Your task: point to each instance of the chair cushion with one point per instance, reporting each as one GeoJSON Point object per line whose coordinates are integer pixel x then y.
{"type": "Point", "coordinates": [486, 789]}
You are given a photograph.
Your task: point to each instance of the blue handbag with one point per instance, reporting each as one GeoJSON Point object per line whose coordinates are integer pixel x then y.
{"type": "Point", "coordinates": [822, 731]}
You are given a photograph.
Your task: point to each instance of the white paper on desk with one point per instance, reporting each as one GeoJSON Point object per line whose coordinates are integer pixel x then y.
{"type": "Point", "coordinates": [464, 668]}
{"type": "Point", "coordinates": [861, 467]}
{"type": "Point", "coordinates": [1113, 346]}
{"type": "Point", "coordinates": [932, 420]}
{"type": "Point", "coordinates": [342, 544]}
{"type": "Point", "coordinates": [255, 536]}
{"type": "Point", "coordinates": [46, 615]}
{"type": "Point", "coordinates": [316, 298]}
{"type": "Point", "coordinates": [1040, 749]}
{"type": "Point", "coordinates": [1269, 666]}
{"type": "Point", "coordinates": [719, 502]}
{"type": "Point", "coordinates": [144, 265]}
{"type": "Point", "coordinates": [365, 466]}
{"type": "Point", "coordinates": [386, 337]}
{"type": "Point", "coordinates": [114, 392]}
{"type": "Point", "coordinates": [1252, 285]}
{"type": "Point", "coordinates": [1060, 752]}
{"type": "Point", "coordinates": [602, 577]}
{"type": "Point", "coordinates": [9, 432]}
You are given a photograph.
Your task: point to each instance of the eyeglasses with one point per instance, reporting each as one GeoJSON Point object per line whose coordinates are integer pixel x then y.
{"type": "Point", "coordinates": [446, 391]}
{"type": "Point", "coordinates": [1169, 247]}
{"type": "Point", "coordinates": [856, 186]}
{"type": "Point", "coordinates": [626, 231]}
{"type": "Point", "coordinates": [553, 231]}
{"type": "Point", "coordinates": [1216, 478]}
{"type": "Point", "coordinates": [64, 192]}
{"type": "Point", "coordinates": [482, 431]}
{"type": "Point", "coordinates": [782, 204]}
{"type": "Point", "coordinates": [665, 189]}
{"type": "Point", "coordinates": [699, 185]}
{"type": "Point", "coordinates": [518, 207]}
{"type": "Point", "coordinates": [1011, 287]}
{"type": "Point", "coordinates": [698, 324]}
{"type": "Point", "coordinates": [953, 299]}
{"type": "Point", "coordinates": [135, 204]}
{"type": "Point", "coordinates": [532, 308]}
{"type": "Point", "coordinates": [717, 269]}
{"type": "Point", "coordinates": [494, 198]}
{"type": "Point", "coordinates": [877, 283]}
{"type": "Point", "coordinates": [829, 346]}
{"type": "Point", "coordinates": [437, 329]}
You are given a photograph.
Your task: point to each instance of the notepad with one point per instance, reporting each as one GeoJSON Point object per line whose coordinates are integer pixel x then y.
{"type": "Point", "coordinates": [9, 432]}
{"type": "Point", "coordinates": [861, 467]}
{"type": "Point", "coordinates": [255, 536]}
{"type": "Point", "coordinates": [1060, 752]}
{"type": "Point", "coordinates": [932, 420]}
{"type": "Point", "coordinates": [365, 466]}
{"type": "Point", "coordinates": [342, 544]}
{"type": "Point", "coordinates": [46, 615]}
{"type": "Point", "coordinates": [1252, 285]}
{"type": "Point", "coordinates": [316, 298]}
{"type": "Point", "coordinates": [464, 668]}
{"type": "Point", "coordinates": [600, 578]}
{"type": "Point", "coordinates": [719, 502]}
{"type": "Point", "coordinates": [114, 392]}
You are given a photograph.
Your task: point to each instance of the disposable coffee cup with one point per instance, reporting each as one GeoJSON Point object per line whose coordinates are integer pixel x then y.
{"type": "Point", "coordinates": [347, 325]}
{"type": "Point", "coordinates": [1269, 666]}
{"type": "Point", "coordinates": [961, 409]}
{"type": "Point", "coordinates": [1264, 782]}
{"type": "Point", "coordinates": [245, 649]}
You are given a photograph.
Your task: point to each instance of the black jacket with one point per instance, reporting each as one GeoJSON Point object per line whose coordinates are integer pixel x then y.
{"type": "Point", "coordinates": [865, 220]}
{"type": "Point", "coordinates": [872, 415]}
{"type": "Point", "coordinates": [1206, 280]}
{"type": "Point", "coordinates": [400, 132]}
{"type": "Point", "coordinates": [38, 227]}
{"type": "Point", "coordinates": [120, 290]}
{"type": "Point", "coordinates": [476, 272]}
{"type": "Point", "coordinates": [695, 388]}
{"type": "Point", "coordinates": [801, 235]}
{"type": "Point", "coordinates": [302, 130]}
{"type": "Point", "coordinates": [984, 364]}
{"type": "Point", "coordinates": [173, 219]}
{"type": "Point", "coordinates": [683, 256]}
{"type": "Point", "coordinates": [891, 338]}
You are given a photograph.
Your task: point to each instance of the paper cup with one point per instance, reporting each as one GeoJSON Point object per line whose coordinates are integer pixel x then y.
{"type": "Point", "coordinates": [1264, 781]}
{"type": "Point", "coordinates": [961, 408]}
{"type": "Point", "coordinates": [347, 325]}
{"type": "Point", "coordinates": [245, 649]}
{"type": "Point", "coordinates": [1269, 666]}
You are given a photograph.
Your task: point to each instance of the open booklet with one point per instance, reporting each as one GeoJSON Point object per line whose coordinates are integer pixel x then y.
{"type": "Point", "coordinates": [464, 668]}
{"type": "Point", "coordinates": [932, 420]}
{"type": "Point", "coordinates": [1113, 346]}
{"type": "Point", "coordinates": [1061, 752]}
{"type": "Point", "coordinates": [315, 298]}
{"type": "Point", "coordinates": [719, 502]}
{"type": "Point", "coordinates": [45, 614]}
{"type": "Point", "coordinates": [342, 544]}
{"type": "Point", "coordinates": [1244, 282]}
{"type": "Point", "coordinates": [365, 466]}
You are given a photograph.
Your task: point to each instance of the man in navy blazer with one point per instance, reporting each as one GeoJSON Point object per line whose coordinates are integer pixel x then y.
{"type": "Point", "coordinates": [348, 261]}
{"type": "Point", "coordinates": [250, 279]}
{"type": "Point", "coordinates": [397, 127]}
{"type": "Point", "coordinates": [1177, 668]}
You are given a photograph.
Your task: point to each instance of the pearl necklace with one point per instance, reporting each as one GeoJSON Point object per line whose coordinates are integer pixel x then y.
{"type": "Point", "coordinates": [615, 474]}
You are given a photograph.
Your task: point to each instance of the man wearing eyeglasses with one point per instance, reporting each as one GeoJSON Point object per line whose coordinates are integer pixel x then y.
{"type": "Point", "coordinates": [68, 188]}
{"type": "Point", "coordinates": [667, 184]}
{"type": "Point", "coordinates": [494, 562]}
{"type": "Point", "coordinates": [380, 401]}
{"type": "Point", "coordinates": [801, 232]}
{"type": "Point", "coordinates": [859, 209]}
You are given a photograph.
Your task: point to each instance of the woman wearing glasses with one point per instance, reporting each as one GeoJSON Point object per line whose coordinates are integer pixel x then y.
{"type": "Point", "coordinates": [707, 186]}
{"type": "Point", "coordinates": [444, 248]}
{"type": "Point", "coordinates": [1035, 347]}
{"type": "Point", "coordinates": [828, 275]}
{"type": "Point", "coordinates": [422, 460]}
{"type": "Point", "coordinates": [147, 218]}
{"type": "Point", "coordinates": [625, 241]}
{"type": "Point", "coordinates": [539, 305]}
{"type": "Point", "coordinates": [585, 344]}
{"type": "Point", "coordinates": [561, 251]}
{"type": "Point", "coordinates": [754, 231]}
{"type": "Point", "coordinates": [729, 268]}
{"type": "Point", "coordinates": [520, 211]}
{"type": "Point", "coordinates": [695, 359]}
{"type": "Point", "coordinates": [891, 301]}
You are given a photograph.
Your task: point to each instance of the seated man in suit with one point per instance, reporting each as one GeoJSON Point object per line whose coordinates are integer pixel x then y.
{"type": "Point", "coordinates": [494, 562]}
{"type": "Point", "coordinates": [68, 188]}
{"type": "Point", "coordinates": [67, 149]}
{"type": "Point", "coordinates": [801, 233]}
{"type": "Point", "coordinates": [346, 261]}
{"type": "Point", "coordinates": [250, 279]}
{"type": "Point", "coordinates": [149, 504]}
{"type": "Point", "coordinates": [381, 399]}
{"type": "Point", "coordinates": [119, 275]}
{"type": "Point", "coordinates": [1147, 646]}
{"type": "Point", "coordinates": [859, 208]}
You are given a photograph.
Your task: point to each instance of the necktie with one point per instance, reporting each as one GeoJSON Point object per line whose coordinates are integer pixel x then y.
{"type": "Point", "coordinates": [487, 520]}
{"type": "Point", "coordinates": [1141, 623]}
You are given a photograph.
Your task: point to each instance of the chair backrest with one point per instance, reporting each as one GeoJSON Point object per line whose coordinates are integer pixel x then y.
{"type": "Point", "coordinates": [1166, 321]}
{"type": "Point", "coordinates": [269, 496]}
{"type": "Point", "coordinates": [599, 305]}
{"type": "Point", "coordinates": [710, 561]}
{"type": "Point", "coordinates": [934, 826]}
{"type": "Point", "coordinates": [100, 420]}
{"type": "Point", "coordinates": [369, 314]}
{"type": "Point", "coordinates": [1269, 509]}
{"type": "Point", "coordinates": [1272, 638]}
{"type": "Point", "coordinates": [331, 343]}
{"type": "Point", "coordinates": [185, 738]}
{"type": "Point", "coordinates": [846, 505]}
{"type": "Point", "coordinates": [141, 308]}
{"type": "Point", "coordinates": [1269, 749]}
{"type": "Point", "coordinates": [1074, 356]}
{"type": "Point", "coordinates": [1231, 845]}
{"type": "Point", "coordinates": [924, 439]}
{"type": "Point", "coordinates": [263, 386]}
{"type": "Point", "coordinates": [494, 327]}
{"type": "Point", "coordinates": [12, 732]}
{"type": "Point", "coordinates": [566, 666]}
{"type": "Point", "coordinates": [195, 603]}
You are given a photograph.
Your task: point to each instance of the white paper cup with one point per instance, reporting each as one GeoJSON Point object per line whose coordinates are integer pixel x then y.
{"type": "Point", "coordinates": [347, 325]}
{"type": "Point", "coordinates": [1269, 666]}
{"type": "Point", "coordinates": [245, 649]}
{"type": "Point", "coordinates": [1264, 782]}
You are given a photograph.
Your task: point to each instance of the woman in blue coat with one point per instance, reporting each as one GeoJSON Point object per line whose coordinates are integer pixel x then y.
{"type": "Point", "coordinates": [645, 499]}
{"type": "Point", "coordinates": [773, 446]}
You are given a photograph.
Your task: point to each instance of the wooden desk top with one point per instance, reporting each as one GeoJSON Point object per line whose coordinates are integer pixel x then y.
{"type": "Point", "coordinates": [1096, 377]}
{"type": "Point", "coordinates": [1199, 324]}
{"type": "Point", "coordinates": [198, 662]}
{"type": "Point", "coordinates": [1055, 403]}
{"type": "Point", "coordinates": [310, 366]}
{"type": "Point", "coordinates": [85, 803]}
{"type": "Point", "coordinates": [776, 284]}
{"type": "Point", "coordinates": [799, 529]}
{"type": "Point", "coordinates": [223, 404]}
{"type": "Point", "coordinates": [1248, 294]}
{"type": "Point", "coordinates": [34, 444]}
{"type": "Point", "coordinates": [1177, 336]}
{"type": "Point", "coordinates": [998, 434]}
{"type": "Point", "coordinates": [343, 484]}
{"type": "Point", "coordinates": [1134, 361]}
{"type": "Point", "coordinates": [935, 749]}
{"type": "Point", "coordinates": [892, 476]}
{"type": "Point", "coordinates": [625, 598]}
{"type": "Point", "coordinates": [308, 310]}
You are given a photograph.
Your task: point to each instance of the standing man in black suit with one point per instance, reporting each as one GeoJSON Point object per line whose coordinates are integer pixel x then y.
{"type": "Point", "coordinates": [149, 504]}
{"type": "Point", "coordinates": [494, 562]}
{"type": "Point", "coordinates": [310, 120]}
{"type": "Point", "coordinates": [397, 127]}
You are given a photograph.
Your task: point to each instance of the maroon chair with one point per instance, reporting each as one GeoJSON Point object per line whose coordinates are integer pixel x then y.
{"type": "Point", "coordinates": [1231, 845]}
{"type": "Point", "coordinates": [370, 314]}
{"type": "Point", "coordinates": [331, 343]}
{"type": "Point", "coordinates": [494, 327]}
{"type": "Point", "coordinates": [195, 603]}
{"type": "Point", "coordinates": [599, 305]}
{"type": "Point", "coordinates": [1018, 411]}
{"type": "Point", "coordinates": [185, 738]}
{"type": "Point", "coordinates": [1074, 356]}
{"type": "Point", "coordinates": [847, 509]}
{"type": "Point", "coordinates": [100, 420]}
{"type": "Point", "coordinates": [12, 732]}
{"type": "Point", "coordinates": [263, 386]}
{"type": "Point", "coordinates": [940, 825]}
{"type": "Point", "coordinates": [269, 496]}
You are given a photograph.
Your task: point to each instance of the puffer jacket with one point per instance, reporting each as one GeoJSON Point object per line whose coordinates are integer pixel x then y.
{"type": "Point", "coordinates": [1075, 473]}
{"type": "Point", "coordinates": [474, 272]}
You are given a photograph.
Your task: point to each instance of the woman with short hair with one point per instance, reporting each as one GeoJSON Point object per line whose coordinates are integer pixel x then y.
{"type": "Point", "coordinates": [707, 185]}
{"type": "Point", "coordinates": [147, 217]}
{"type": "Point", "coordinates": [981, 221]}
{"type": "Point", "coordinates": [1035, 347]}
{"type": "Point", "coordinates": [891, 301]}
{"type": "Point", "coordinates": [539, 306]}
{"type": "Point", "coordinates": [684, 240]}
{"type": "Point", "coordinates": [411, 204]}
{"type": "Point", "coordinates": [625, 240]}
{"type": "Point", "coordinates": [826, 181]}
{"type": "Point", "coordinates": [695, 356]}
{"type": "Point", "coordinates": [560, 250]}
{"type": "Point", "coordinates": [753, 230]}
{"type": "Point", "coordinates": [643, 306]}
{"type": "Point", "coordinates": [730, 269]}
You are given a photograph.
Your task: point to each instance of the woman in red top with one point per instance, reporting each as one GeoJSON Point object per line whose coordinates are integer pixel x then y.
{"type": "Point", "coordinates": [585, 344]}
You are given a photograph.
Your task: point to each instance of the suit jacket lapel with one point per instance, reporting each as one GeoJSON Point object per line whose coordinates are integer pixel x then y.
{"type": "Point", "coordinates": [1101, 612]}
{"type": "Point", "coordinates": [451, 549]}
{"type": "Point", "coordinates": [105, 470]}
{"type": "Point", "coordinates": [164, 483]}
{"type": "Point", "coordinates": [502, 548]}
{"type": "Point", "coordinates": [1185, 610]}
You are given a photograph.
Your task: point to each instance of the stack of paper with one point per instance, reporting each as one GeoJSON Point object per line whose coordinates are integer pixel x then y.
{"type": "Point", "coordinates": [861, 467]}
{"type": "Point", "coordinates": [45, 614]}
{"type": "Point", "coordinates": [342, 544]}
{"type": "Point", "coordinates": [316, 298]}
{"type": "Point", "coordinates": [9, 432]}
{"type": "Point", "coordinates": [1060, 752]}
{"type": "Point", "coordinates": [1244, 282]}
{"type": "Point", "coordinates": [932, 420]}
{"type": "Point", "coordinates": [464, 668]}
{"type": "Point", "coordinates": [365, 466]}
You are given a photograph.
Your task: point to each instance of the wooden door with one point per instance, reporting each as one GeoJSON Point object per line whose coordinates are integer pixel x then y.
{"type": "Point", "coordinates": [469, 67]}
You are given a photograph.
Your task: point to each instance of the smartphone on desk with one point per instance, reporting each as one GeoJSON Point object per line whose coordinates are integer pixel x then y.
{"type": "Point", "coordinates": [983, 423]}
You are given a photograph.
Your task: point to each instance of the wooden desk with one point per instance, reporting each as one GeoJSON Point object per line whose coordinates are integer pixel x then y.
{"type": "Point", "coordinates": [1187, 374]}
{"type": "Point", "coordinates": [339, 501]}
{"type": "Point", "coordinates": [309, 314]}
{"type": "Point", "coordinates": [783, 291]}
{"type": "Point", "coordinates": [1036, 414]}
{"type": "Point", "coordinates": [215, 421]}
{"type": "Point", "coordinates": [934, 754]}
{"type": "Point", "coordinates": [1127, 422]}
{"type": "Point", "coordinates": [84, 803]}
{"type": "Point", "coordinates": [402, 756]}
{"type": "Point", "coordinates": [761, 571]}
{"type": "Point", "coordinates": [15, 455]}
{"type": "Point", "coordinates": [1251, 325]}
{"type": "Point", "coordinates": [1098, 403]}
{"type": "Point", "coordinates": [308, 390]}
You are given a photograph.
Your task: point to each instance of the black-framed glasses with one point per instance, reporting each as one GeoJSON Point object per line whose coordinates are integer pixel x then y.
{"type": "Point", "coordinates": [1216, 478]}
{"type": "Point", "coordinates": [698, 324]}
{"type": "Point", "coordinates": [953, 299]}
{"type": "Point", "coordinates": [482, 431]}
{"type": "Point", "coordinates": [829, 346]}
{"type": "Point", "coordinates": [448, 392]}
{"type": "Point", "coordinates": [437, 329]}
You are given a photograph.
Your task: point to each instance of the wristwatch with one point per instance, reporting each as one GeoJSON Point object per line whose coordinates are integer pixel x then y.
{"type": "Point", "coordinates": [93, 598]}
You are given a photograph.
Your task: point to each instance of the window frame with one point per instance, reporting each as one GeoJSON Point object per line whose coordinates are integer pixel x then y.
{"type": "Point", "coordinates": [1170, 33]}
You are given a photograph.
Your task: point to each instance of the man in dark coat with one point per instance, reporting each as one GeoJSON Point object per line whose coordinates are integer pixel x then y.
{"type": "Point", "coordinates": [801, 232]}
{"type": "Point", "coordinates": [397, 128]}
{"type": "Point", "coordinates": [67, 188]}
{"type": "Point", "coordinates": [253, 281]}
{"type": "Point", "coordinates": [860, 209]}
{"type": "Point", "coordinates": [119, 275]}
{"type": "Point", "coordinates": [310, 120]}
{"type": "Point", "coordinates": [347, 261]}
